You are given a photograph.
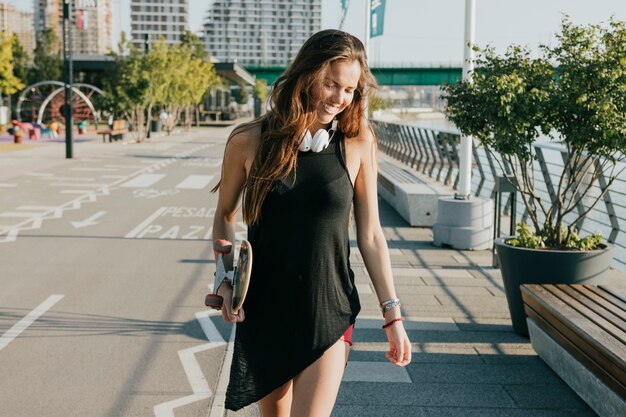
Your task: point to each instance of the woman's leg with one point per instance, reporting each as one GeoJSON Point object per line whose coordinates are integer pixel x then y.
{"type": "Point", "coordinates": [278, 402]}
{"type": "Point", "coordinates": [315, 389]}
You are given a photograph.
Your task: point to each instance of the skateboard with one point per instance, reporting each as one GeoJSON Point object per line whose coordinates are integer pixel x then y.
{"type": "Point", "coordinates": [239, 276]}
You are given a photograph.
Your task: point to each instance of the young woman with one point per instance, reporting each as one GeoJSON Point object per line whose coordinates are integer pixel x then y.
{"type": "Point", "coordinates": [299, 170]}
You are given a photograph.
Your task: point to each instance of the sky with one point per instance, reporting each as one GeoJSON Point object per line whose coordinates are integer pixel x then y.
{"type": "Point", "coordinates": [430, 32]}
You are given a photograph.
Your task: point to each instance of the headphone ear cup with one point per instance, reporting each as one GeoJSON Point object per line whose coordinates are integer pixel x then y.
{"type": "Point", "coordinates": [306, 141]}
{"type": "Point", "coordinates": [320, 140]}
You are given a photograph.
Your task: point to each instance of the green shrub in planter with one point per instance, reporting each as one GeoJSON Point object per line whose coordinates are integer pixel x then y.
{"type": "Point", "coordinates": [573, 93]}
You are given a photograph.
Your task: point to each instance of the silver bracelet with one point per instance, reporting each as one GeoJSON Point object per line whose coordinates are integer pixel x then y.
{"type": "Point", "coordinates": [390, 304]}
{"type": "Point", "coordinates": [389, 301]}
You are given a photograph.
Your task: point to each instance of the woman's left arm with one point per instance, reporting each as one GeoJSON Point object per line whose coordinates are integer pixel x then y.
{"type": "Point", "coordinates": [373, 245]}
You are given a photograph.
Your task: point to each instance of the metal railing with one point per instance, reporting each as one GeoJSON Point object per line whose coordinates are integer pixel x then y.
{"type": "Point", "coordinates": [434, 153]}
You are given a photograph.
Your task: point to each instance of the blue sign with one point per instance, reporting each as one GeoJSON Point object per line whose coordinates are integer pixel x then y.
{"type": "Point", "coordinates": [377, 18]}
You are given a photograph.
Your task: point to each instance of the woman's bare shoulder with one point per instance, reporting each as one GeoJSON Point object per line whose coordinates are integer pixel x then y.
{"type": "Point", "coordinates": [245, 137]}
{"type": "Point", "coordinates": [364, 139]}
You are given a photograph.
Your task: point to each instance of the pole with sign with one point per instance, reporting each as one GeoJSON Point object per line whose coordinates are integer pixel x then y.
{"type": "Point", "coordinates": [67, 68]}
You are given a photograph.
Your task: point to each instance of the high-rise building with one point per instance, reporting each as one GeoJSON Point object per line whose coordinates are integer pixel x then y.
{"type": "Point", "coordinates": [92, 31]}
{"type": "Point", "coordinates": [153, 20]}
{"type": "Point", "coordinates": [260, 32]}
{"type": "Point", "coordinates": [19, 23]}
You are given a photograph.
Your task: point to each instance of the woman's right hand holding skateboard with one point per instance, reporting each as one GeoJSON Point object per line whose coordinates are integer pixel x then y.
{"type": "Point", "coordinates": [226, 292]}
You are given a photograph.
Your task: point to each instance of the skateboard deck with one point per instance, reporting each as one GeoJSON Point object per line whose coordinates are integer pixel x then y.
{"type": "Point", "coordinates": [239, 276]}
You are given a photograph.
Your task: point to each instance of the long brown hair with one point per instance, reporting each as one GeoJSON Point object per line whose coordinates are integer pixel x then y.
{"type": "Point", "coordinates": [293, 105]}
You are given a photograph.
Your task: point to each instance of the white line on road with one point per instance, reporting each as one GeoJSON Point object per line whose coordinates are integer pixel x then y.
{"type": "Point", "coordinates": [79, 179]}
{"type": "Point", "coordinates": [20, 214]}
{"type": "Point", "coordinates": [193, 371]}
{"type": "Point", "coordinates": [90, 221]}
{"type": "Point", "coordinates": [133, 234]}
{"type": "Point", "coordinates": [72, 191]}
{"type": "Point", "coordinates": [124, 166]}
{"type": "Point", "coordinates": [217, 408]}
{"type": "Point", "coordinates": [7, 185]}
{"type": "Point", "coordinates": [195, 182]}
{"type": "Point", "coordinates": [23, 324]}
{"type": "Point", "coordinates": [77, 184]}
{"type": "Point", "coordinates": [43, 208]}
{"type": "Point", "coordinates": [39, 174]}
{"type": "Point", "coordinates": [93, 169]}
{"type": "Point", "coordinates": [143, 180]}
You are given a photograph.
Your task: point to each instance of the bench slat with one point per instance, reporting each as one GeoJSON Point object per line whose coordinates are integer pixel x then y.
{"type": "Point", "coordinates": [588, 321]}
{"type": "Point", "coordinates": [611, 295]}
{"type": "Point", "coordinates": [601, 347]}
{"type": "Point", "coordinates": [577, 353]}
{"type": "Point", "coordinates": [607, 310]}
{"type": "Point", "coordinates": [606, 295]}
{"type": "Point", "coordinates": [593, 326]}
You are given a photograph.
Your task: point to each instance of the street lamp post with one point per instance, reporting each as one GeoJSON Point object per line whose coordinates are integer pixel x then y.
{"type": "Point", "coordinates": [67, 68]}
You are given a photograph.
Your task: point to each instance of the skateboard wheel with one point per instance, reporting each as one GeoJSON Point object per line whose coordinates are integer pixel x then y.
{"type": "Point", "coordinates": [214, 301]}
{"type": "Point", "coordinates": [222, 246]}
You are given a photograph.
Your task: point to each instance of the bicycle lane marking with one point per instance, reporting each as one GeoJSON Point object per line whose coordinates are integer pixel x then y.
{"type": "Point", "coordinates": [29, 319]}
{"type": "Point", "coordinates": [184, 223]}
{"type": "Point", "coordinates": [9, 233]}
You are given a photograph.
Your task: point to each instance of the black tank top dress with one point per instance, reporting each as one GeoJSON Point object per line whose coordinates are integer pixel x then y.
{"type": "Point", "coordinates": [302, 296]}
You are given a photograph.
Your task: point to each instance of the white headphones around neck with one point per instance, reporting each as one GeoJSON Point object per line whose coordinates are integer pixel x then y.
{"type": "Point", "coordinates": [319, 141]}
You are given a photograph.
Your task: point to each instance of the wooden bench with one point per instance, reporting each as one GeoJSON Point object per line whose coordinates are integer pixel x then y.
{"type": "Point", "coordinates": [580, 332]}
{"type": "Point", "coordinates": [116, 132]}
{"type": "Point", "coordinates": [415, 199]}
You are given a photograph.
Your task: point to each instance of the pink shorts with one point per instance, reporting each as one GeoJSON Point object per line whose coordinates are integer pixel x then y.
{"type": "Point", "coordinates": [347, 336]}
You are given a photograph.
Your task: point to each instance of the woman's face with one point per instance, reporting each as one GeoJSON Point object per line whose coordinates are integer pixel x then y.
{"type": "Point", "coordinates": [337, 91]}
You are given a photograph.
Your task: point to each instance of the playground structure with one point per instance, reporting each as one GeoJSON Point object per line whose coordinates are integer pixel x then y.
{"type": "Point", "coordinates": [42, 103]}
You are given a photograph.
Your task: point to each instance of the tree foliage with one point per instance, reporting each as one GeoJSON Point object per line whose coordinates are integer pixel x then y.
{"type": "Point", "coordinates": [170, 78]}
{"type": "Point", "coordinates": [259, 90]}
{"type": "Point", "coordinates": [47, 62]}
{"type": "Point", "coordinates": [9, 83]}
{"type": "Point", "coordinates": [573, 93]}
{"type": "Point", "coordinates": [242, 94]}
{"type": "Point", "coordinates": [20, 60]}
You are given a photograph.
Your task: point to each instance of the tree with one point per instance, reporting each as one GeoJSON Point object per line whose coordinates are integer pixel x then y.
{"type": "Point", "coordinates": [581, 103]}
{"type": "Point", "coordinates": [259, 91]}
{"type": "Point", "coordinates": [242, 94]}
{"type": "Point", "coordinates": [170, 78]}
{"type": "Point", "coordinates": [47, 61]}
{"type": "Point", "coordinates": [9, 83]}
{"type": "Point", "coordinates": [20, 60]}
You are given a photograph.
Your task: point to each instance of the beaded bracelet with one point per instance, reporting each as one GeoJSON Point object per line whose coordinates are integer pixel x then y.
{"type": "Point", "coordinates": [392, 322]}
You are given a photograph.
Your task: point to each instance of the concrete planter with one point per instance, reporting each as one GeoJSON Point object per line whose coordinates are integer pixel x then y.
{"type": "Point", "coordinates": [533, 266]}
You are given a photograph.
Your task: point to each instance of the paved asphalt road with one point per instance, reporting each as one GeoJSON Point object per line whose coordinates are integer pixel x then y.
{"type": "Point", "coordinates": [105, 260]}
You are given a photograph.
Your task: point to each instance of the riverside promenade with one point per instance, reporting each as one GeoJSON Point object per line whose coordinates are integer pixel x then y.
{"type": "Point", "coordinates": [466, 359]}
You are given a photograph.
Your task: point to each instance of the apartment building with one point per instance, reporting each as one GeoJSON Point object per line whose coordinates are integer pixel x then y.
{"type": "Point", "coordinates": [260, 32]}
{"type": "Point", "coordinates": [92, 30]}
{"type": "Point", "coordinates": [19, 23]}
{"type": "Point", "coordinates": [153, 20]}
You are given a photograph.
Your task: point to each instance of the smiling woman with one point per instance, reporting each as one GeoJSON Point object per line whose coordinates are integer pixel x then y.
{"type": "Point", "coordinates": [301, 169]}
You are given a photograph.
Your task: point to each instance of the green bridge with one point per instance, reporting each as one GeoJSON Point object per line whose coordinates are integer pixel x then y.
{"type": "Point", "coordinates": [384, 76]}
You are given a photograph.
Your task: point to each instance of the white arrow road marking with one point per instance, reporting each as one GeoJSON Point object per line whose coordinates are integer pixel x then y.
{"type": "Point", "coordinates": [197, 381]}
{"type": "Point", "coordinates": [90, 221]}
{"type": "Point", "coordinates": [30, 318]}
